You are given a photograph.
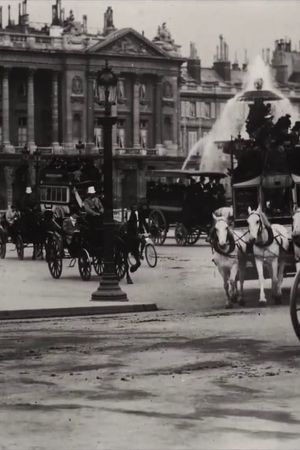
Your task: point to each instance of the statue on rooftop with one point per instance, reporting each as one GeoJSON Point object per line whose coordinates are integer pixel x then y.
{"type": "Point", "coordinates": [108, 21]}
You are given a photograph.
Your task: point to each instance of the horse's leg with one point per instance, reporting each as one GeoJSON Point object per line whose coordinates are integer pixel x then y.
{"type": "Point", "coordinates": [280, 279]}
{"type": "Point", "coordinates": [260, 272]}
{"type": "Point", "coordinates": [128, 277]}
{"type": "Point", "coordinates": [233, 282]}
{"type": "Point", "coordinates": [274, 275]}
{"type": "Point", "coordinates": [242, 268]}
{"type": "Point", "coordinates": [225, 274]}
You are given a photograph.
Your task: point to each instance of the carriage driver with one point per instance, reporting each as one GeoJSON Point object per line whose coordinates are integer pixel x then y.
{"type": "Point", "coordinates": [92, 203]}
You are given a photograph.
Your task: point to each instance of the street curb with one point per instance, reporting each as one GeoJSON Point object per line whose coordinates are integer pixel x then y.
{"type": "Point", "coordinates": [78, 311]}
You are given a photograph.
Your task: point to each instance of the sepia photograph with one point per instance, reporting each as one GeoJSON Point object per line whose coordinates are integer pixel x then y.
{"type": "Point", "coordinates": [150, 224]}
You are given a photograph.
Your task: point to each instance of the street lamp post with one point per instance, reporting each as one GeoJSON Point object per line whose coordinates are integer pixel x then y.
{"type": "Point", "coordinates": [108, 289]}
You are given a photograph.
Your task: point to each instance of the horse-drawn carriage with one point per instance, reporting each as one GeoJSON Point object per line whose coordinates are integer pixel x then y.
{"type": "Point", "coordinates": [27, 231]}
{"type": "Point", "coordinates": [177, 198]}
{"type": "Point", "coordinates": [265, 176]}
{"type": "Point", "coordinates": [87, 249]}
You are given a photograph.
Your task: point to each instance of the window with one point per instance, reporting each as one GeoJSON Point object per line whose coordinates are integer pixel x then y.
{"type": "Point", "coordinates": [183, 107]}
{"type": "Point", "coordinates": [206, 110]}
{"type": "Point", "coordinates": [22, 90]}
{"type": "Point", "coordinates": [22, 131]}
{"type": "Point", "coordinates": [98, 136]}
{"type": "Point", "coordinates": [143, 133]}
{"type": "Point", "coordinates": [121, 133]}
{"type": "Point", "coordinates": [120, 90]}
{"type": "Point", "coordinates": [0, 130]}
{"type": "Point", "coordinates": [143, 91]}
{"type": "Point", "coordinates": [192, 109]}
{"type": "Point", "coordinates": [54, 194]}
{"type": "Point", "coordinates": [192, 139]}
{"type": "Point", "coordinates": [213, 110]}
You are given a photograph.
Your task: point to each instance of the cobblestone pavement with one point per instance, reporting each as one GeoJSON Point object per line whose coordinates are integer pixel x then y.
{"type": "Point", "coordinates": [191, 376]}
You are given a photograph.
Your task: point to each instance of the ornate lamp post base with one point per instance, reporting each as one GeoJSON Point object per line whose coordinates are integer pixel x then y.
{"type": "Point", "coordinates": [109, 290]}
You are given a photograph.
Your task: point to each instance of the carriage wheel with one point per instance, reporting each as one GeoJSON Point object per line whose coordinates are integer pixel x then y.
{"type": "Point", "coordinates": [295, 304]}
{"type": "Point", "coordinates": [180, 234]}
{"type": "Point", "coordinates": [120, 263]}
{"type": "Point", "coordinates": [84, 265]}
{"type": "Point", "coordinates": [98, 264]}
{"type": "Point", "coordinates": [158, 227]}
{"type": "Point", "coordinates": [193, 236]}
{"type": "Point", "coordinates": [54, 260]}
{"type": "Point", "coordinates": [20, 247]}
{"type": "Point", "coordinates": [151, 255]}
{"type": "Point", "coordinates": [2, 247]}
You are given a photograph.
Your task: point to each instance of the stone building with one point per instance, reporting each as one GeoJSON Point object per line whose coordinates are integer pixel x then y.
{"type": "Point", "coordinates": [50, 101]}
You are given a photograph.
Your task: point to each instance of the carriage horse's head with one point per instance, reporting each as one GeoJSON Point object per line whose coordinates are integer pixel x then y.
{"type": "Point", "coordinates": [221, 231]}
{"type": "Point", "coordinates": [257, 222]}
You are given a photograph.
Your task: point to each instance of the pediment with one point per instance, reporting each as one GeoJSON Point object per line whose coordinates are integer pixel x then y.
{"type": "Point", "coordinates": [127, 42]}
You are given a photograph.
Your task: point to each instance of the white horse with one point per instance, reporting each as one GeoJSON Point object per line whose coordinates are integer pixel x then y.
{"type": "Point", "coordinates": [296, 237]}
{"type": "Point", "coordinates": [229, 250]}
{"type": "Point", "coordinates": [269, 244]}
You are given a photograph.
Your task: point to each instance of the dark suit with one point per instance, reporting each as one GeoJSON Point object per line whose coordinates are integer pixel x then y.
{"type": "Point", "coordinates": [69, 229]}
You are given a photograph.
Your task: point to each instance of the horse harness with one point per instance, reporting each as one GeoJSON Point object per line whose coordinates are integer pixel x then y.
{"type": "Point", "coordinates": [232, 242]}
{"type": "Point", "coordinates": [271, 237]}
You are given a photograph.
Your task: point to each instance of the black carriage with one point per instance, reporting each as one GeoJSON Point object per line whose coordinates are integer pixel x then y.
{"type": "Point", "coordinates": [86, 248]}
{"type": "Point", "coordinates": [177, 199]}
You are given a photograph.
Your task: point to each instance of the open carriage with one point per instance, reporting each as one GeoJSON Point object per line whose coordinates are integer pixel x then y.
{"type": "Point", "coordinates": [177, 199]}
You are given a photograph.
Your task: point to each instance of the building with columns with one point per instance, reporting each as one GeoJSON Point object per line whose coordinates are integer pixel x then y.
{"type": "Point", "coordinates": [50, 100]}
{"type": "Point", "coordinates": [165, 103]}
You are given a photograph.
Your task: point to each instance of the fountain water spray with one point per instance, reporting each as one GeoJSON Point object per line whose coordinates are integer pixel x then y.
{"type": "Point", "coordinates": [232, 120]}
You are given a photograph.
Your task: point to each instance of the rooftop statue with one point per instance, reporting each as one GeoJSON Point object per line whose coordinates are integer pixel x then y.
{"type": "Point", "coordinates": [163, 34]}
{"type": "Point", "coordinates": [72, 26]}
{"type": "Point", "coordinates": [164, 40]}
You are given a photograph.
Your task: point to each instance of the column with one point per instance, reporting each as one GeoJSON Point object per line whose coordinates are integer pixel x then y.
{"type": "Point", "coordinates": [91, 77]}
{"type": "Point", "coordinates": [54, 104]}
{"type": "Point", "coordinates": [30, 111]}
{"type": "Point", "coordinates": [176, 117]}
{"type": "Point", "coordinates": [68, 118]}
{"type": "Point", "coordinates": [158, 113]}
{"type": "Point", "coordinates": [5, 111]}
{"type": "Point", "coordinates": [8, 173]}
{"type": "Point", "coordinates": [136, 113]}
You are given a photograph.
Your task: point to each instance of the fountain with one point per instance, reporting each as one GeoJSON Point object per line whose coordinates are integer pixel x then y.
{"type": "Point", "coordinates": [258, 86]}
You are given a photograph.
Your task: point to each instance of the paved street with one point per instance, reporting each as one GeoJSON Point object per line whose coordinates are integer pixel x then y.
{"type": "Point", "coordinates": [190, 376]}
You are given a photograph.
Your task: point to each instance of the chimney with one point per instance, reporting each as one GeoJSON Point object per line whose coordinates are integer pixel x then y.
{"type": "Point", "coordinates": [268, 56]}
{"type": "Point", "coordinates": [263, 55]}
{"type": "Point", "coordinates": [245, 63]}
{"type": "Point", "coordinates": [84, 21]}
{"type": "Point", "coordinates": [1, 18]}
{"type": "Point", "coordinates": [235, 65]}
{"type": "Point", "coordinates": [222, 65]}
{"type": "Point", "coordinates": [194, 64]}
{"type": "Point", "coordinates": [9, 19]}
{"type": "Point", "coordinates": [19, 19]}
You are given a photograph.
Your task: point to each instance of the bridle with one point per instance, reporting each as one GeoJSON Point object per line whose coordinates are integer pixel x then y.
{"type": "Point", "coordinates": [260, 230]}
{"type": "Point", "coordinates": [230, 241]}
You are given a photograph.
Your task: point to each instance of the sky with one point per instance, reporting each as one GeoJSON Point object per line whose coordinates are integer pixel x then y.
{"type": "Point", "coordinates": [245, 24]}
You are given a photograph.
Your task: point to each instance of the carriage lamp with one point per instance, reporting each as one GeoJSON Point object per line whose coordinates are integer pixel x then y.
{"type": "Point", "coordinates": [108, 289]}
